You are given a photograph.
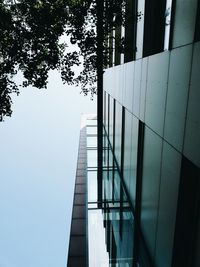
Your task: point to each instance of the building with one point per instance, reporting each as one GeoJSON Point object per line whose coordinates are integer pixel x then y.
{"type": "Point", "coordinates": [146, 210]}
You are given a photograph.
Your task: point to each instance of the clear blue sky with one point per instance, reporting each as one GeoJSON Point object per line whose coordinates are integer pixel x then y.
{"type": "Point", "coordinates": [38, 157]}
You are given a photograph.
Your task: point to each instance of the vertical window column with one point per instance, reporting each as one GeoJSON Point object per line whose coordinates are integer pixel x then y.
{"type": "Point", "coordinates": [130, 30]}
{"type": "Point", "coordinates": [154, 27]}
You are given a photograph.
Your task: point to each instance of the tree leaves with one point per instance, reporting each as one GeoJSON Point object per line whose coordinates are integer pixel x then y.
{"type": "Point", "coordinates": [30, 32]}
{"type": "Point", "coordinates": [29, 42]}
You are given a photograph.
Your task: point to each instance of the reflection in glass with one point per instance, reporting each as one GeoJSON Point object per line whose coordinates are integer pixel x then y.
{"type": "Point", "coordinates": [98, 256]}
{"type": "Point", "coordinates": [111, 227]}
{"type": "Point", "coordinates": [167, 23]}
{"type": "Point", "coordinates": [118, 216]}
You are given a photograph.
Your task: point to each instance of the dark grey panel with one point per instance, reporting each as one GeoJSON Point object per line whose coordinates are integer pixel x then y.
{"type": "Point", "coordinates": [150, 187]}
{"type": "Point", "coordinates": [184, 22]}
{"type": "Point", "coordinates": [170, 176]}
{"type": "Point", "coordinates": [80, 188]}
{"type": "Point", "coordinates": [80, 199]}
{"type": "Point", "coordinates": [82, 160]}
{"type": "Point", "coordinates": [154, 27]}
{"type": "Point", "coordinates": [79, 211]}
{"type": "Point", "coordinates": [76, 262]}
{"type": "Point", "coordinates": [177, 95]}
{"type": "Point", "coordinates": [77, 246]}
{"type": "Point", "coordinates": [81, 172]}
{"type": "Point", "coordinates": [77, 255]}
{"type": "Point", "coordinates": [127, 148]}
{"type": "Point", "coordinates": [118, 133]}
{"type": "Point", "coordinates": [156, 91]}
{"type": "Point", "coordinates": [81, 166]}
{"type": "Point", "coordinates": [187, 215]}
{"type": "Point", "coordinates": [192, 134]}
{"type": "Point", "coordinates": [78, 226]}
{"type": "Point", "coordinates": [197, 254]}
{"type": "Point", "coordinates": [80, 180]}
{"type": "Point", "coordinates": [133, 165]}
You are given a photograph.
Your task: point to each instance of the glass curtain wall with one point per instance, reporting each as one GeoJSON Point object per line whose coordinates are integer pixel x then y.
{"type": "Point", "coordinates": [118, 214]}
{"type": "Point", "coordinates": [110, 228]}
{"type": "Point", "coordinates": [122, 144]}
{"type": "Point", "coordinates": [113, 232]}
{"type": "Point", "coordinates": [98, 256]}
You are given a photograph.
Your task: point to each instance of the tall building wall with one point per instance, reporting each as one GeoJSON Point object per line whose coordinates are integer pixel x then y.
{"type": "Point", "coordinates": [160, 94]}
{"type": "Point", "coordinates": [149, 215]}
{"type": "Point", "coordinates": [77, 255]}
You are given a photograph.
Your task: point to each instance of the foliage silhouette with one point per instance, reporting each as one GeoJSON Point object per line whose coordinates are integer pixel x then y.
{"type": "Point", "coordinates": [30, 32]}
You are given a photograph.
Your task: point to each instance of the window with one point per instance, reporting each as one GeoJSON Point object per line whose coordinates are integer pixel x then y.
{"type": "Point", "coordinates": [117, 45]}
{"type": "Point", "coordinates": [92, 186]}
{"type": "Point", "coordinates": [130, 31]}
{"type": "Point", "coordinates": [154, 27]}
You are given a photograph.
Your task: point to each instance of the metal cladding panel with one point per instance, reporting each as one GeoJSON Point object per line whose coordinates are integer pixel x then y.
{"type": "Point", "coordinates": [127, 148]}
{"type": "Point", "coordinates": [170, 176]}
{"type": "Point", "coordinates": [120, 84]}
{"type": "Point", "coordinates": [177, 95]}
{"type": "Point", "coordinates": [150, 187]}
{"type": "Point", "coordinates": [133, 166]}
{"type": "Point", "coordinates": [74, 261]}
{"type": "Point", "coordinates": [143, 88]}
{"type": "Point", "coordinates": [128, 86]}
{"type": "Point", "coordinates": [184, 22]}
{"type": "Point", "coordinates": [107, 80]}
{"type": "Point", "coordinates": [156, 91]}
{"type": "Point", "coordinates": [116, 79]}
{"type": "Point", "coordinates": [136, 88]}
{"type": "Point", "coordinates": [192, 134]}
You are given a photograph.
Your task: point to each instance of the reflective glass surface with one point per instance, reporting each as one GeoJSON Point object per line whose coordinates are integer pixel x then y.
{"type": "Point", "coordinates": [114, 236]}
{"type": "Point", "coordinates": [92, 158]}
{"type": "Point", "coordinates": [91, 141]}
{"type": "Point", "coordinates": [91, 130]}
{"type": "Point", "coordinates": [92, 186]}
{"type": "Point", "coordinates": [110, 225]}
{"type": "Point", "coordinates": [98, 256]}
{"type": "Point", "coordinates": [92, 121]}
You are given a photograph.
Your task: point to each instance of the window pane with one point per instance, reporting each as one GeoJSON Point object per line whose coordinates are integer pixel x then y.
{"type": "Point", "coordinates": [92, 121]}
{"type": "Point", "coordinates": [154, 27]}
{"type": "Point", "coordinates": [92, 186]}
{"type": "Point", "coordinates": [98, 256]}
{"type": "Point", "coordinates": [130, 28]}
{"type": "Point", "coordinates": [92, 158]}
{"type": "Point", "coordinates": [91, 130]}
{"type": "Point", "coordinates": [91, 141]}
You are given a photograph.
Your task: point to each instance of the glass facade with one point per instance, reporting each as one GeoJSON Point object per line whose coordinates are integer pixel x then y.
{"type": "Point", "coordinates": [136, 219]}
{"type": "Point", "coordinates": [112, 224]}
{"type": "Point", "coordinates": [143, 201]}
